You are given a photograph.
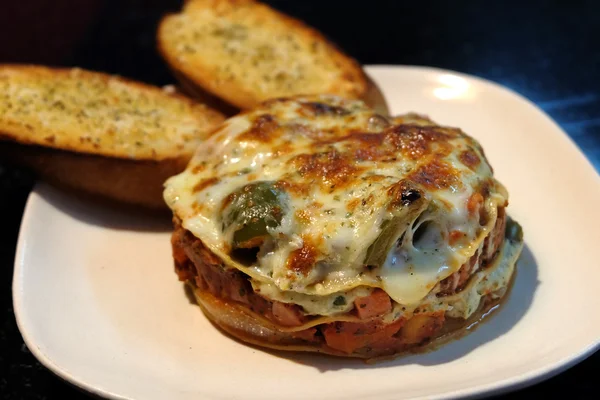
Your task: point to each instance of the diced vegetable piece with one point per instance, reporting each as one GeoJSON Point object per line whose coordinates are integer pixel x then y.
{"type": "Point", "coordinates": [377, 303]}
{"type": "Point", "coordinates": [350, 336]}
{"type": "Point", "coordinates": [421, 327]}
{"type": "Point", "coordinates": [391, 230]}
{"type": "Point", "coordinates": [287, 314]}
{"type": "Point", "coordinates": [251, 211]}
{"type": "Point", "coordinates": [405, 207]}
{"type": "Point", "coordinates": [307, 334]}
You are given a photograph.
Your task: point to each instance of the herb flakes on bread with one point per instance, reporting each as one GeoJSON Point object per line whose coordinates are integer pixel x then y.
{"type": "Point", "coordinates": [98, 133]}
{"type": "Point", "coordinates": [244, 52]}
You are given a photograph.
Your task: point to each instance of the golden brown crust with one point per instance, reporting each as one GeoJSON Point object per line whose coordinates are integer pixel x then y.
{"type": "Point", "coordinates": [199, 69]}
{"type": "Point", "coordinates": [374, 98]}
{"type": "Point", "coordinates": [99, 134]}
{"type": "Point", "coordinates": [196, 92]}
{"type": "Point", "coordinates": [96, 113]}
{"type": "Point", "coordinates": [137, 183]}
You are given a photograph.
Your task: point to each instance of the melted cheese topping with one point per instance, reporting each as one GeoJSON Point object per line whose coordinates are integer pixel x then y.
{"type": "Point", "coordinates": [367, 201]}
{"type": "Point", "coordinates": [493, 280]}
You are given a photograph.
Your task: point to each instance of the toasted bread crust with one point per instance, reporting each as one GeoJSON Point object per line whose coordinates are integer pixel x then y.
{"type": "Point", "coordinates": [186, 49]}
{"type": "Point", "coordinates": [374, 98]}
{"type": "Point", "coordinates": [113, 180]}
{"type": "Point", "coordinates": [196, 92]}
{"type": "Point", "coordinates": [98, 134]}
{"type": "Point", "coordinates": [95, 113]}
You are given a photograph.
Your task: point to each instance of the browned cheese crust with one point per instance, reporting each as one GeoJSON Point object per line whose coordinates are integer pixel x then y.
{"type": "Point", "coordinates": [323, 224]}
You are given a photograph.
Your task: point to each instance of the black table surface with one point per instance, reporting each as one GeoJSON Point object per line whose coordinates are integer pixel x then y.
{"type": "Point", "coordinates": [547, 51]}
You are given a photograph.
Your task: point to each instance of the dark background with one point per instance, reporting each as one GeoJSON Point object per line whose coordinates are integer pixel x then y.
{"type": "Point", "coordinates": [547, 51]}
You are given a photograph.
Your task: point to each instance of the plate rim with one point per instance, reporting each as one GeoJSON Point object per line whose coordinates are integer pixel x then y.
{"type": "Point", "coordinates": [17, 300]}
{"type": "Point", "coordinates": [496, 85]}
{"type": "Point", "coordinates": [493, 388]}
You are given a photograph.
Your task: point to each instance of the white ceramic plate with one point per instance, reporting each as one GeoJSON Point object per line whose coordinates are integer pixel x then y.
{"type": "Point", "coordinates": [98, 303]}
